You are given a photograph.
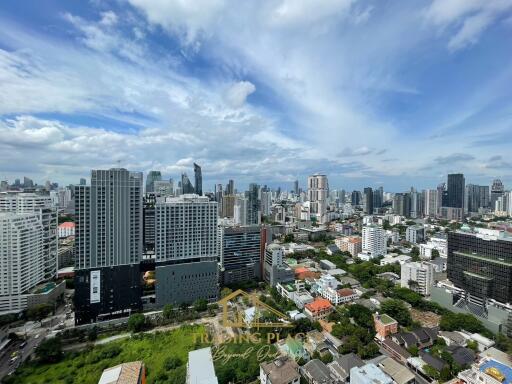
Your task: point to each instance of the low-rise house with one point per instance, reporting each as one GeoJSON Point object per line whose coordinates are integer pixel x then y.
{"type": "Point", "coordinates": [399, 373]}
{"type": "Point", "coordinates": [385, 325]}
{"type": "Point", "coordinates": [313, 340]}
{"type": "Point", "coordinates": [435, 362]}
{"type": "Point", "coordinates": [280, 371]}
{"type": "Point", "coordinates": [316, 372]}
{"type": "Point", "coordinates": [462, 355]}
{"type": "Point", "coordinates": [453, 338]}
{"type": "Point", "coordinates": [341, 366]}
{"type": "Point", "coordinates": [126, 373]}
{"type": "Point", "coordinates": [346, 280]}
{"type": "Point", "coordinates": [369, 374]}
{"type": "Point", "coordinates": [395, 350]}
{"type": "Point", "coordinates": [331, 249]}
{"type": "Point", "coordinates": [318, 309]}
{"type": "Point", "coordinates": [339, 296]}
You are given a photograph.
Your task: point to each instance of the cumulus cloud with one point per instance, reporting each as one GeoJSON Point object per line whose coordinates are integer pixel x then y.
{"type": "Point", "coordinates": [237, 94]}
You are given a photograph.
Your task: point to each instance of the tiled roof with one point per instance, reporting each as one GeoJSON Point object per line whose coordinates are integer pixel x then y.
{"type": "Point", "coordinates": [67, 224]}
{"type": "Point", "coordinates": [318, 305]}
{"type": "Point", "coordinates": [345, 292]}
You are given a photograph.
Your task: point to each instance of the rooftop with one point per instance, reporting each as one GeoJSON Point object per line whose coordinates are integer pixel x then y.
{"type": "Point", "coordinates": [200, 367]}
{"type": "Point", "coordinates": [492, 366]}
{"type": "Point", "coordinates": [281, 371]}
{"type": "Point", "coordinates": [318, 305]}
{"type": "Point", "coordinates": [385, 319]}
{"type": "Point", "coordinates": [126, 373]}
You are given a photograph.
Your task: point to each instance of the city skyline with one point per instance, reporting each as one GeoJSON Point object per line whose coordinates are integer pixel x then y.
{"type": "Point", "coordinates": [409, 92]}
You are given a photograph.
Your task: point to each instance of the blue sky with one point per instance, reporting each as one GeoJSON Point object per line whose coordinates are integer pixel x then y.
{"type": "Point", "coordinates": [371, 93]}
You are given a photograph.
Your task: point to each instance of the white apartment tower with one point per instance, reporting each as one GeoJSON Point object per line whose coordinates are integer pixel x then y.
{"type": "Point", "coordinates": [418, 276]}
{"type": "Point", "coordinates": [22, 258]}
{"type": "Point", "coordinates": [431, 202]}
{"type": "Point", "coordinates": [374, 241]}
{"type": "Point", "coordinates": [20, 202]}
{"type": "Point", "coordinates": [318, 193]}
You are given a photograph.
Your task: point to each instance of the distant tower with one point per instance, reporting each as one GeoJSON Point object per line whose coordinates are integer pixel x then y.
{"type": "Point", "coordinates": [198, 179]}
{"type": "Point", "coordinates": [150, 180]}
{"type": "Point", "coordinates": [497, 190]}
{"type": "Point", "coordinates": [186, 185]}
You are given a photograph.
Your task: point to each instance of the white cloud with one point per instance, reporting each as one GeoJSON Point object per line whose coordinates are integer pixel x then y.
{"type": "Point", "coordinates": [238, 92]}
{"type": "Point", "coordinates": [468, 18]}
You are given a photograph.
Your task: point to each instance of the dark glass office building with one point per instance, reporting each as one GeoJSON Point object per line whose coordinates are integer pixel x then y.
{"type": "Point", "coordinates": [481, 265]}
{"type": "Point", "coordinates": [240, 254]}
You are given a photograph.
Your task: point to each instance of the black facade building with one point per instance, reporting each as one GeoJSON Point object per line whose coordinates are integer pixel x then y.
{"type": "Point", "coordinates": [240, 254]}
{"type": "Point", "coordinates": [481, 265]}
{"type": "Point", "coordinates": [368, 201]}
{"type": "Point", "coordinates": [455, 191]}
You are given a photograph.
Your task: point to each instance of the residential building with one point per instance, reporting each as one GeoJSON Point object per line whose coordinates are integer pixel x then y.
{"type": "Point", "coordinates": [399, 373]}
{"type": "Point", "coordinates": [497, 190]}
{"type": "Point", "coordinates": [402, 204]}
{"type": "Point", "coordinates": [22, 258]}
{"type": "Point", "coordinates": [418, 276]}
{"type": "Point", "coordinates": [374, 242]}
{"type": "Point", "coordinates": [108, 245]}
{"type": "Point", "coordinates": [240, 250]}
{"type": "Point", "coordinates": [477, 197]}
{"type": "Point", "coordinates": [186, 250]}
{"type": "Point", "coordinates": [282, 370]}
{"type": "Point", "coordinates": [274, 269]}
{"type": "Point", "coordinates": [240, 211]}
{"type": "Point", "coordinates": [341, 366]}
{"type": "Point", "coordinates": [25, 202]}
{"type": "Point", "coordinates": [393, 258]}
{"type": "Point", "coordinates": [385, 325]}
{"type": "Point", "coordinates": [415, 234]}
{"type": "Point", "coordinates": [487, 371]}
{"type": "Point", "coordinates": [200, 368]}
{"type": "Point", "coordinates": [316, 372]}
{"type": "Point", "coordinates": [369, 374]}
{"type": "Point", "coordinates": [430, 198]}
{"type": "Point", "coordinates": [318, 192]}
{"type": "Point", "coordinates": [318, 309]}
{"type": "Point", "coordinates": [351, 244]}
{"type": "Point", "coordinates": [125, 373]}
{"type": "Point", "coordinates": [339, 296]}
{"type": "Point", "coordinates": [66, 229]}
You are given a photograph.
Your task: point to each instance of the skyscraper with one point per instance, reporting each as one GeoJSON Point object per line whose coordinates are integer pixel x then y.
{"type": "Point", "coordinates": [198, 178]}
{"type": "Point", "coordinates": [150, 180]}
{"type": "Point", "coordinates": [430, 198]}
{"type": "Point", "coordinates": [318, 191]}
{"type": "Point", "coordinates": [368, 201]}
{"type": "Point", "coordinates": [355, 198]}
{"type": "Point", "coordinates": [108, 247]}
{"type": "Point", "coordinates": [186, 185]}
{"type": "Point", "coordinates": [253, 205]}
{"type": "Point", "coordinates": [186, 250]}
{"type": "Point", "coordinates": [497, 190]}
{"type": "Point", "coordinates": [402, 204]}
{"type": "Point", "coordinates": [477, 196]}
{"type": "Point", "coordinates": [230, 188]}
{"type": "Point", "coordinates": [453, 200]}
{"type": "Point", "coordinates": [296, 187]}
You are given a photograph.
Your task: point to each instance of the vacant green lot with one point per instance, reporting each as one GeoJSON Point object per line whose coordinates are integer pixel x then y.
{"type": "Point", "coordinates": [159, 351]}
{"type": "Point", "coordinates": [165, 355]}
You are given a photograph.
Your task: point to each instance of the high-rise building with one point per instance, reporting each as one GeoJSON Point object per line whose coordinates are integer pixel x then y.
{"type": "Point", "coordinates": [296, 187]}
{"type": "Point", "coordinates": [480, 263]}
{"type": "Point", "coordinates": [454, 196]}
{"type": "Point", "coordinates": [22, 258]}
{"type": "Point", "coordinates": [83, 181]}
{"type": "Point", "coordinates": [186, 250]}
{"type": "Point", "coordinates": [418, 276]}
{"type": "Point", "coordinates": [355, 198]}
{"type": "Point", "coordinates": [378, 197]}
{"type": "Point", "coordinates": [163, 188]}
{"type": "Point", "coordinates": [198, 178]}
{"type": "Point", "coordinates": [430, 198]}
{"type": "Point", "coordinates": [44, 207]}
{"type": "Point", "coordinates": [274, 269]}
{"type": "Point", "coordinates": [240, 254]}
{"type": "Point", "coordinates": [228, 206]}
{"type": "Point", "coordinates": [368, 201]}
{"type": "Point", "coordinates": [497, 190]}
{"type": "Point", "coordinates": [253, 205]}
{"type": "Point", "coordinates": [266, 202]}
{"type": "Point", "coordinates": [477, 196]}
{"type": "Point", "coordinates": [318, 191]}
{"type": "Point", "coordinates": [240, 211]}
{"type": "Point", "coordinates": [230, 188]}
{"type": "Point", "coordinates": [27, 183]}
{"type": "Point", "coordinates": [152, 177]}
{"type": "Point", "coordinates": [402, 204]}
{"type": "Point", "coordinates": [186, 185]}
{"type": "Point", "coordinates": [415, 234]}
{"type": "Point", "coordinates": [374, 242]}
{"type": "Point", "coordinates": [108, 245]}
{"type": "Point", "coordinates": [149, 235]}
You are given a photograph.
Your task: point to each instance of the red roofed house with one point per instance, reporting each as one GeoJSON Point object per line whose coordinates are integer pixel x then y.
{"type": "Point", "coordinates": [318, 309]}
{"type": "Point", "coordinates": [67, 229]}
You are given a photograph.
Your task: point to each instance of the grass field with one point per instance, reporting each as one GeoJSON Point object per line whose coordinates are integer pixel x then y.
{"type": "Point", "coordinates": [86, 367]}
{"type": "Point", "coordinates": [159, 351]}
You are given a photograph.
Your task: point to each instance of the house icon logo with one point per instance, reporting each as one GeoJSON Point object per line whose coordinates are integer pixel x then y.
{"type": "Point", "coordinates": [233, 314]}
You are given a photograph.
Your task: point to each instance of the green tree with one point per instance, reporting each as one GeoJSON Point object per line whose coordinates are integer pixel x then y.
{"type": "Point", "coordinates": [435, 254]}
{"type": "Point", "coordinates": [326, 358]}
{"type": "Point", "coordinates": [92, 334]}
{"type": "Point", "coordinates": [172, 363]}
{"type": "Point", "coordinates": [225, 292]}
{"type": "Point", "coordinates": [50, 350]}
{"type": "Point", "coordinates": [39, 312]}
{"type": "Point", "coordinates": [398, 311]}
{"type": "Point", "coordinates": [200, 305]}
{"type": "Point", "coordinates": [136, 322]}
{"type": "Point", "coordinates": [413, 350]}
